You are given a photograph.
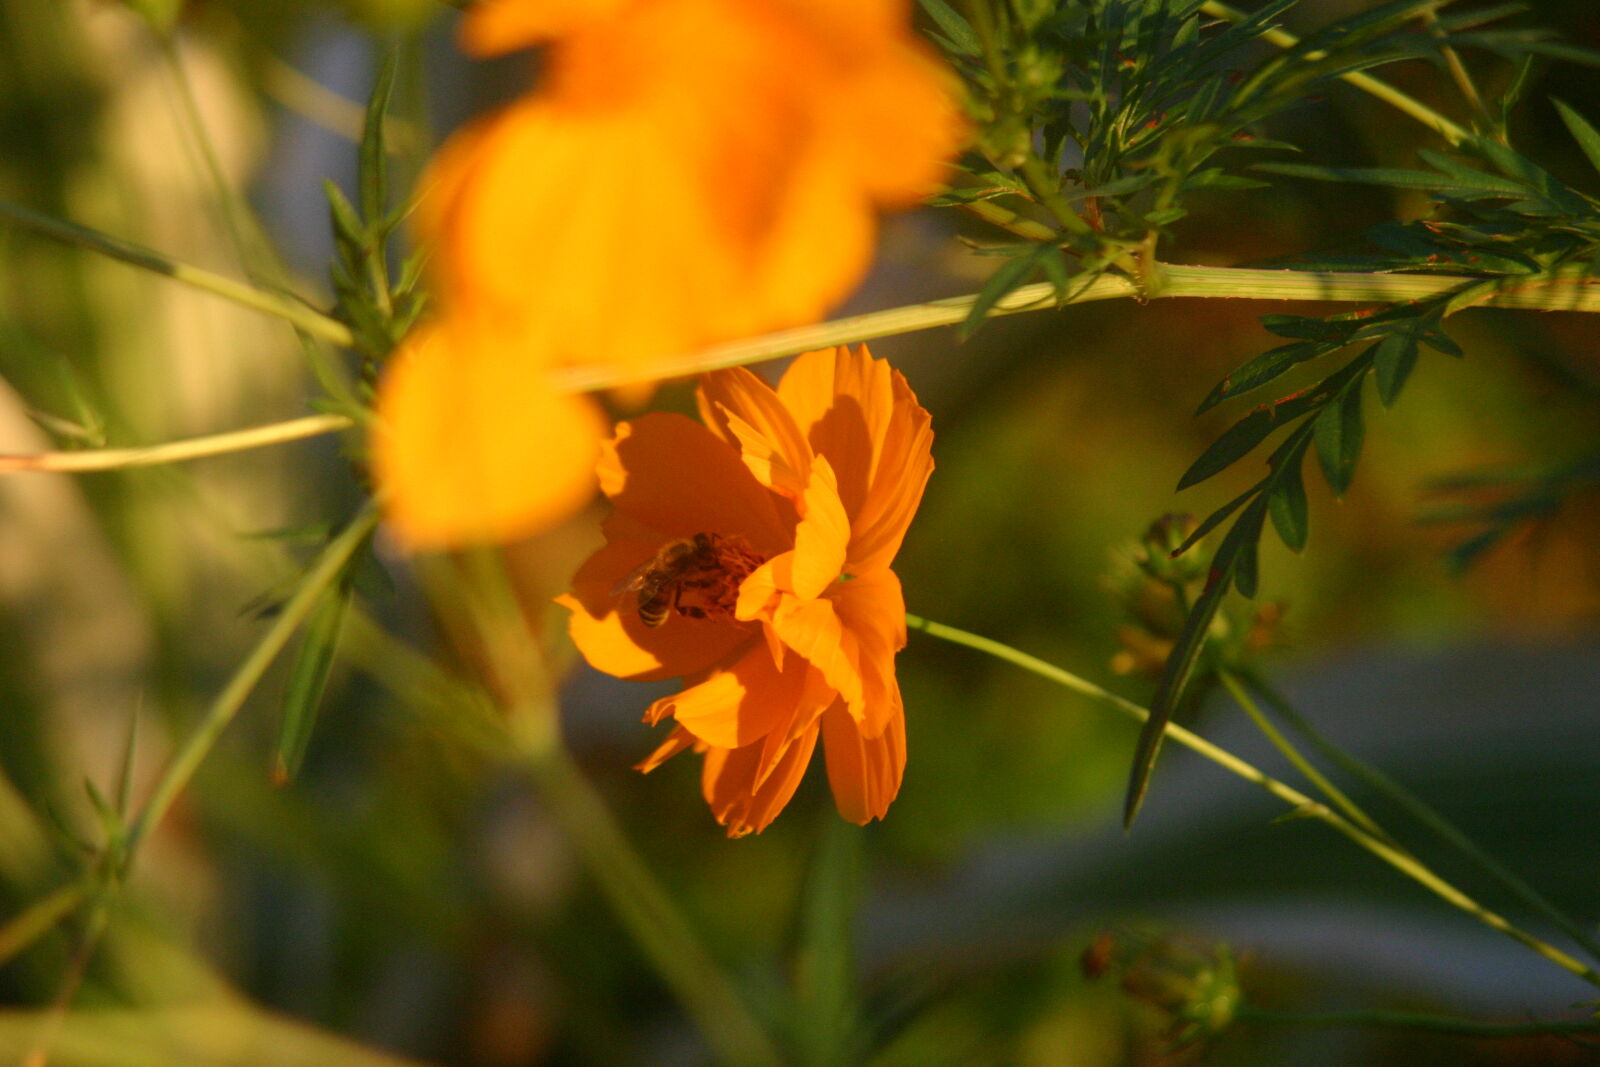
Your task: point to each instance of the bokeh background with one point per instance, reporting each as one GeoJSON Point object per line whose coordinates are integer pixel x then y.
{"type": "Point", "coordinates": [407, 898]}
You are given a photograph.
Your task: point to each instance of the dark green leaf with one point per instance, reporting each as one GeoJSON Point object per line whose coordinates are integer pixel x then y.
{"type": "Point", "coordinates": [1586, 135]}
{"type": "Point", "coordinates": [1392, 361]}
{"type": "Point", "coordinates": [1467, 185]}
{"type": "Point", "coordinates": [1286, 503]}
{"type": "Point", "coordinates": [1244, 435]}
{"type": "Point", "coordinates": [307, 679]}
{"type": "Point", "coordinates": [1261, 370]}
{"type": "Point", "coordinates": [1215, 518]}
{"type": "Point", "coordinates": [373, 158]}
{"type": "Point", "coordinates": [1012, 274]}
{"type": "Point", "coordinates": [347, 226]}
{"type": "Point", "coordinates": [1337, 433]}
{"type": "Point", "coordinates": [956, 29]}
{"type": "Point", "coordinates": [1299, 327]}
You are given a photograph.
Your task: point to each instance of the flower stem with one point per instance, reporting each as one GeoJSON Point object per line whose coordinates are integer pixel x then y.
{"type": "Point", "coordinates": [1409, 105]}
{"type": "Point", "coordinates": [292, 311]}
{"type": "Point", "coordinates": [1562, 290]}
{"type": "Point", "coordinates": [1303, 805]}
{"type": "Point", "coordinates": [1303, 765]}
{"type": "Point", "coordinates": [105, 459]}
{"type": "Point", "coordinates": [187, 761]}
{"type": "Point", "coordinates": [515, 667]}
{"type": "Point", "coordinates": [1403, 1020]}
{"type": "Point", "coordinates": [1419, 810]}
{"type": "Point", "coordinates": [26, 927]}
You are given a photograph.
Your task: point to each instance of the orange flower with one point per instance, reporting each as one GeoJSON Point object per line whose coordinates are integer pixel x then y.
{"type": "Point", "coordinates": [688, 172]}
{"type": "Point", "coordinates": [764, 538]}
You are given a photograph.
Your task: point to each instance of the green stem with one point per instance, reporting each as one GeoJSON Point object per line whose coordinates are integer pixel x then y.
{"type": "Point", "coordinates": [105, 459]}
{"type": "Point", "coordinates": [1303, 765]}
{"type": "Point", "coordinates": [34, 921]}
{"type": "Point", "coordinates": [1303, 805]}
{"type": "Point", "coordinates": [1402, 1020]}
{"type": "Point", "coordinates": [1010, 221]}
{"type": "Point", "coordinates": [194, 750]}
{"type": "Point", "coordinates": [515, 664]}
{"type": "Point", "coordinates": [291, 311]}
{"type": "Point", "coordinates": [1419, 810]}
{"type": "Point", "coordinates": [1408, 105]}
{"type": "Point", "coordinates": [1564, 290]}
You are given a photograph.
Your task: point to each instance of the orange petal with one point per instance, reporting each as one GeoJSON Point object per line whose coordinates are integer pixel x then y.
{"type": "Point", "coordinates": [746, 412]}
{"type": "Point", "coordinates": [473, 446]}
{"type": "Point", "coordinates": [679, 740]}
{"type": "Point", "coordinates": [843, 400]}
{"type": "Point", "coordinates": [738, 704]}
{"type": "Point", "coordinates": [873, 612]}
{"type": "Point", "coordinates": [493, 27]}
{"type": "Point", "coordinates": [822, 537]}
{"type": "Point", "coordinates": [905, 462]}
{"type": "Point", "coordinates": [728, 782]}
{"type": "Point", "coordinates": [813, 630]}
{"type": "Point", "coordinates": [865, 774]}
{"type": "Point", "coordinates": [609, 633]}
{"type": "Point", "coordinates": [669, 474]}
{"type": "Point", "coordinates": [814, 699]}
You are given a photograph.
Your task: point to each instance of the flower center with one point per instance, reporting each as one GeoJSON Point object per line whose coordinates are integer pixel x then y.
{"type": "Point", "coordinates": [697, 577]}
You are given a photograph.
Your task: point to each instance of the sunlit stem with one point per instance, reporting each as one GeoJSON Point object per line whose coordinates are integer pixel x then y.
{"type": "Point", "coordinates": [291, 311]}
{"type": "Point", "coordinates": [1400, 101]}
{"type": "Point", "coordinates": [38, 918]}
{"type": "Point", "coordinates": [198, 745]}
{"type": "Point", "coordinates": [105, 459]}
{"type": "Point", "coordinates": [516, 666]}
{"type": "Point", "coordinates": [1303, 805]}
{"type": "Point", "coordinates": [1400, 1020]}
{"type": "Point", "coordinates": [1568, 289]}
{"type": "Point", "coordinates": [56, 1015]}
{"type": "Point", "coordinates": [1334, 794]}
{"type": "Point", "coordinates": [1419, 810]}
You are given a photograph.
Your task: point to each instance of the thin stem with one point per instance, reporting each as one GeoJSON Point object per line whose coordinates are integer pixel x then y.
{"type": "Point", "coordinates": [1421, 811]}
{"type": "Point", "coordinates": [1302, 804]}
{"type": "Point", "coordinates": [516, 665]}
{"type": "Point", "coordinates": [1402, 102]}
{"type": "Point", "coordinates": [1402, 1020]}
{"type": "Point", "coordinates": [38, 918]}
{"type": "Point", "coordinates": [1010, 221]}
{"type": "Point", "coordinates": [292, 311]}
{"type": "Point", "coordinates": [1304, 766]}
{"type": "Point", "coordinates": [71, 982]}
{"type": "Point", "coordinates": [1565, 290]}
{"type": "Point", "coordinates": [194, 750]}
{"type": "Point", "coordinates": [105, 459]}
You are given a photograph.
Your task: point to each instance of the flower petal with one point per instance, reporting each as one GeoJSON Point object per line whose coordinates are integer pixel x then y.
{"type": "Point", "coordinates": [865, 774]}
{"type": "Point", "coordinates": [905, 461]}
{"type": "Point", "coordinates": [473, 446]}
{"type": "Point", "coordinates": [679, 740]}
{"type": "Point", "coordinates": [823, 536]}
{"type": "Point", "coordinates": [842, 400]}
{"type": "Point", "coordinates": [813, 630]}
{"type": "Point", "coordinates": [873, 612]}
{"type": "Point", "coordinates": [738, 704]}
{"type": "Point", "coordinates": [746, 412]}
{"type": "Point", "coordinates": [613, 638]}
{"type": "Point", "coordinates": [728, 782]}
{"type": "Point", "coordinates": [671, 475]}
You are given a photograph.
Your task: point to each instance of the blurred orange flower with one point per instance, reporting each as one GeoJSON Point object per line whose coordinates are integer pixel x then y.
{"type": "Point", "coordinates": [687, 172]}
{"type": "Point", "coordinates": [749, 555]}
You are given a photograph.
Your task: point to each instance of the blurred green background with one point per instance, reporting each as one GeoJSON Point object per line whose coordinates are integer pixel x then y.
{"type": "Point", "coordinates": [407, 898]}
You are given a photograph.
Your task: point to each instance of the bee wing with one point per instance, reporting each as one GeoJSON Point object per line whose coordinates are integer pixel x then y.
{"type": "Point", "coordinates": [635, 579]}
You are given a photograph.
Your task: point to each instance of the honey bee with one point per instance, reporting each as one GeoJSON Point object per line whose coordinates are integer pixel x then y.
{"type": "Point", "coordinates": [657, 583]}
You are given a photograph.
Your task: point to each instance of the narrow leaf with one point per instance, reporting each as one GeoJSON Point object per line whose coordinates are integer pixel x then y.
{"type": "Point", "coordinates": [956, 28]}
{"type": "Point", "coordinates": [373, 158]}
{"type": "Point", "coordinates": [1337, 433]}
{"type": "Point", "coordinates": [1393, 361]}
{"type": "Point", "coordinates": [307, 681]}
{"type": "Point", "coordinates": [1286, 503]}
{"type": "Point", "coordinates": [1011, 275]}
{"type": "Point", "coordinates": [1244, 435]}
{"type": "Point", "coordinates": [1264, 368]}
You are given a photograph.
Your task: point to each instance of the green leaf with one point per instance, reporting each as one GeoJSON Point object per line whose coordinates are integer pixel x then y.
{"type": "Point", "coordinates": [307, 680]}
{"type": "Point", "coordinates": [1464, 185]}
{"type": "Point", "coordinates": [373, 158]}
{"type": "Point", "coordinates": [1337, 432]}
{"type": "Point", "coordinates": [1213, 520]}
{"type": "Point", "coordinates": [1244, 435]}
{"type": "Point", "coordinates": [1393, 360]}
{"type": "Point", "coordinates": [348, 228]}
{"type": "Point", "coordinates": [1185, 654]}
{"type": "Point", "coordinates": [1263, 369]}
{"type": "Point", "coordinates": [1587, 136]}
{"type": "Point", "coordinates": [1012, 274]}
{"type": "Point", "coordinates": [959, 32]}
{"type": "Point", "coordinates": [1286, 503]}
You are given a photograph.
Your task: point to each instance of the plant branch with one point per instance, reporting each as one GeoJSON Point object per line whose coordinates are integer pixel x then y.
{"type": "Point", "coordinates": [1302, 804]}
{"type": "Point", "coordinates": [311, 321]}
{"type": "Point", "coordinates": [105, 459]}
{"type": "Point", "coordinates": [1403, 1020]}
{"type": "Point", "coordinates": [1568, 289]}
